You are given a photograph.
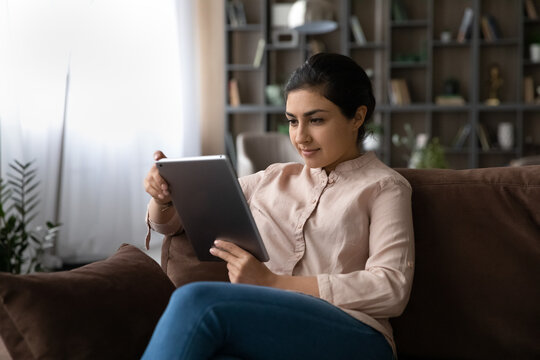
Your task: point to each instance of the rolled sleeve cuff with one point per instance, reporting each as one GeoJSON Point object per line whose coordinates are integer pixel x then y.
{"type": "Point", "coordinates": [325, 288]}
{"type": "Point", "coordinates": [172, 227]}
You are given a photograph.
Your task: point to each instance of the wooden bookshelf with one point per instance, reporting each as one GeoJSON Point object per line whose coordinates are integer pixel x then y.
{"type": "Point", "coordinates": [409, 48]}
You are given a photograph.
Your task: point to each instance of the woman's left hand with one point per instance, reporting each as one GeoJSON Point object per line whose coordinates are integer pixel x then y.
{"type": "Point", "coordinates": [243, 267]}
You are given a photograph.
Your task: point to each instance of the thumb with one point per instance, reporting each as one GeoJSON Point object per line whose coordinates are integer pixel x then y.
{"type": "Point", "coordinates": [159, 155]}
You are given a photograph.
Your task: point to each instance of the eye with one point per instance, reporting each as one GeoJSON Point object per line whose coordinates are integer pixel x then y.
{"type": "Point", "coordinates": [292, 122]}
{"type": "Point", "coordinates": [316, 121]}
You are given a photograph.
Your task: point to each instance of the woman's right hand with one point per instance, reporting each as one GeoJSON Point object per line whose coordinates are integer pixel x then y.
{"type": "Point", "coordinates": [155, 185]}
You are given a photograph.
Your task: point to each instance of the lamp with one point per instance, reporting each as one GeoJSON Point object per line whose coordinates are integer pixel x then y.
{"type": "Point", "coordinates": [312, 17]}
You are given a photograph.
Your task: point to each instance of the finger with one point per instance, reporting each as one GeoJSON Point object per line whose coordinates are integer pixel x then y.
{"type": "Point", "coordinates": [160, 183]}
{"type": "Point", "coordinates": [230, 247]}
{"type": "Point", "coordinates": [157, 182]}
{"type": "Point", "coordinates": [159, 155]}
{"type": "Point", "coordinates": [152, 188]}
{"type": "Point", "coordinates": [222, 254]}
{"type": "Point", "coordinates": [152, 185]}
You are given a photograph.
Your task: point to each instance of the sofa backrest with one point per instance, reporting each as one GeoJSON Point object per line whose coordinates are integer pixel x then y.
{"type": "Point", "coordinates": [476, 290]}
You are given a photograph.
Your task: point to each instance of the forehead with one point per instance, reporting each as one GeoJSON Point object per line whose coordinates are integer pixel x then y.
{"type": "Point", "coordinates": [307, 99]}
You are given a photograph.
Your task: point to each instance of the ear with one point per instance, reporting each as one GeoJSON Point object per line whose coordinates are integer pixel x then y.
{"type": "Point", "coordinates": [359, 117]}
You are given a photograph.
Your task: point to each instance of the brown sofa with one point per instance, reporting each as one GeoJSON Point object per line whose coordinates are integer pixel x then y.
{"type": "Point", "coordinates": [476, 291]}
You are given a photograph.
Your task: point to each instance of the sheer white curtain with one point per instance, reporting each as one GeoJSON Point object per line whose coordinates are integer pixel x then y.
{"type": "Point", "coordinates": [132, 90]}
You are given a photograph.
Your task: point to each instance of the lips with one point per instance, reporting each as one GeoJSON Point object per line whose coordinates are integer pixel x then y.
{"type": "Point", "coordinates": [308, 152]}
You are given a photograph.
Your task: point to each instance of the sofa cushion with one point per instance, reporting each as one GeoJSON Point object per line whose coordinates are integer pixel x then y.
{"type": "Point", "coordinates": [476, 288]}
{"type": "Point", "coordinates": [182, 266]}
{"type": "Point", "coordinates": [104, 310]}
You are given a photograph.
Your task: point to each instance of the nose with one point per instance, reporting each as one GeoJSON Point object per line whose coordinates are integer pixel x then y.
{"type": "Point", "coordinates": [301, 134]}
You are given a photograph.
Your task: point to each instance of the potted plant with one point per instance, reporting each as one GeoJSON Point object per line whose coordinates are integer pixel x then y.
{"type": "Point", "coordinates": [424, 153]}
{"type": "Point", "coordinates": [22, 249]}
{"type": "Point", "coordinates": [374, 136]}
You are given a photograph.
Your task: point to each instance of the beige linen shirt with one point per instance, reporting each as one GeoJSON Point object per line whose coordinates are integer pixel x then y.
{"type": "Point", "coordinates": [352, 229]}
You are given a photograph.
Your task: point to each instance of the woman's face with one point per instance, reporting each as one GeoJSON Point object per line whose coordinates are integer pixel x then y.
{"type": "Point", "coordinates": [322, 135]}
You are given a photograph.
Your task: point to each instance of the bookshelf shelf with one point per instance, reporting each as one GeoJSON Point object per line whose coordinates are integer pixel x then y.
{"type": "Point", "coordinates": [409, 24]}
{"type": "Point", "coordinates": [246, 28]}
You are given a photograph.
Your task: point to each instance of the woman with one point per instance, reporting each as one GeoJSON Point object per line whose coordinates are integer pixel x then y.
{"type": "Point", "coordinates": [338, 231]}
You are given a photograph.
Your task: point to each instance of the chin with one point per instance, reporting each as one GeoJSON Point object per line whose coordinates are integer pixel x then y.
{"type": "Point", "coordinates": [313, 164]}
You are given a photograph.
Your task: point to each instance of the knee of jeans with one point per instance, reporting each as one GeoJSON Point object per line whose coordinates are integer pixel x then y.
{"type": "Point", "coordinates": [195, 294]}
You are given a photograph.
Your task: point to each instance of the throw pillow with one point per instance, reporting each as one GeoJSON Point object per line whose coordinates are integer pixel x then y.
{"type": "Point", "coordinates": [104, 310]}
{"type": "Point", "coordinates": [179, 261]}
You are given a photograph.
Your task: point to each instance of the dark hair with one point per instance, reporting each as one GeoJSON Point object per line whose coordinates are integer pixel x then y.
{"type": "Point", "coordinates": [340, 79]}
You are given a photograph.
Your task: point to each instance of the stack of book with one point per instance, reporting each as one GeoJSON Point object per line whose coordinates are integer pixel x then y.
{"type": "Point", "coordinates": [454, 100]}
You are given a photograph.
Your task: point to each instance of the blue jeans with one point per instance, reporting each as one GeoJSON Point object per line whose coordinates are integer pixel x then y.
{"type": "Point", "coordinates": [213, 320]}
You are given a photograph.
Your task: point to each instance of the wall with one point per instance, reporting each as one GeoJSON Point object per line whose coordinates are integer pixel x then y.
{"type": "Point", "coordinates": [210, 16]}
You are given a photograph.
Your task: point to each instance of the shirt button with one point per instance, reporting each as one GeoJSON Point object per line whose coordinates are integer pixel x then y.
{"type": "Point", "coordinates": [314, 201]}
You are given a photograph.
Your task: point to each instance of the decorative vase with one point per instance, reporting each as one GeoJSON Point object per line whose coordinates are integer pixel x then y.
{"type": "Point", "coordinates": [446, 36]}
{"type": "Point", "coordinates": [505, 135]}
{"type": "Point", "coordinates": [534, 52]}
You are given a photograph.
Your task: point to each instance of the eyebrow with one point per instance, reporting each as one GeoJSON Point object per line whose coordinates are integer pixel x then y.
{"type": "Point", "coordinates": [308, 113]}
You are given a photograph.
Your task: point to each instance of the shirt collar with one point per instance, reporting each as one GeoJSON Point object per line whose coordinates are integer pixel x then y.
{"type": "Point", "coordinates": [348, 165]}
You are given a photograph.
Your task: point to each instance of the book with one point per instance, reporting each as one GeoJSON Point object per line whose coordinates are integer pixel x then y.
{"type": "Point", "coordinates": [231, 14]}
{"type": "Point", "coordinates": [528, 89]}
{"type": "Point", "coordinates": [482, 134]}
{"type": "Point", "coordinates": [452, 100]}
{"type": "Point", "coordinates": [240, 12]}
{"type": "Point", "coordinates": [236, 13]}
{"type": "Point", "coordinates": [393, 93]}
{"type": "Point", "coordinates": [494, 28]}
{"type": "Point", "coordinates": [531, 10]}
{"type": "Point", "coordinates": [398, 11]}
{"type": "Point", "coordinates": [404, 88]}
{"type": "Point", "coordinates": [358, 33]}
{"type": "Point", "coordinates": [462, 135]}
{"type": "Point", "coordinates": [486, 29]}
{"type": "Point", "coordinates": [399, 92]}
{"type": "Point", "coordinates": [465, 26]}
{"type": "Point", "coordinates": [259, 53]}
{"type": "Point", "coordinates": [234, 93]}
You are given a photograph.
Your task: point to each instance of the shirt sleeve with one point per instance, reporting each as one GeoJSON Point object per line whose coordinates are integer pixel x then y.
{"type": "Point", "coordinates": [173, 226]}
{"type": "Point", "coordinates": [249, 183]}
{"type": "Point", "coordinates": [382, 289]}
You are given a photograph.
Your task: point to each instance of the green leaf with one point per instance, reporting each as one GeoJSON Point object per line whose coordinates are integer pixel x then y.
{"type": "Point", "coordinates": [5, 195]}
{"type": "Point", "coordinates": [28, 180]}
{"type": "Point", "coordinates": [31, 199]}
{"type": "Point", "coordinates": [31, 188]}
{"type": "Point", "coordinates": [23, 166]}
{"type": "Point", "coordinates": [30, 172]}
{"type": "Point", "coordinates": [36, 240]}
{"type": "Point", "coordinates": [52, 225]}
{"type": "Point", "coordinates": [30, 218]}
{"type": "Point", "coordinates": [17, 169]}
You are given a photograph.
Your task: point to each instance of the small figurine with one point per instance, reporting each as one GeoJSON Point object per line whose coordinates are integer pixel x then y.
{"type": "Point", "coordinates": [495, 82]}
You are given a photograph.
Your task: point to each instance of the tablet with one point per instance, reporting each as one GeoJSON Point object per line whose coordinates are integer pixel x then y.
{"type": "Point", "coordinates": [211, 204]}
